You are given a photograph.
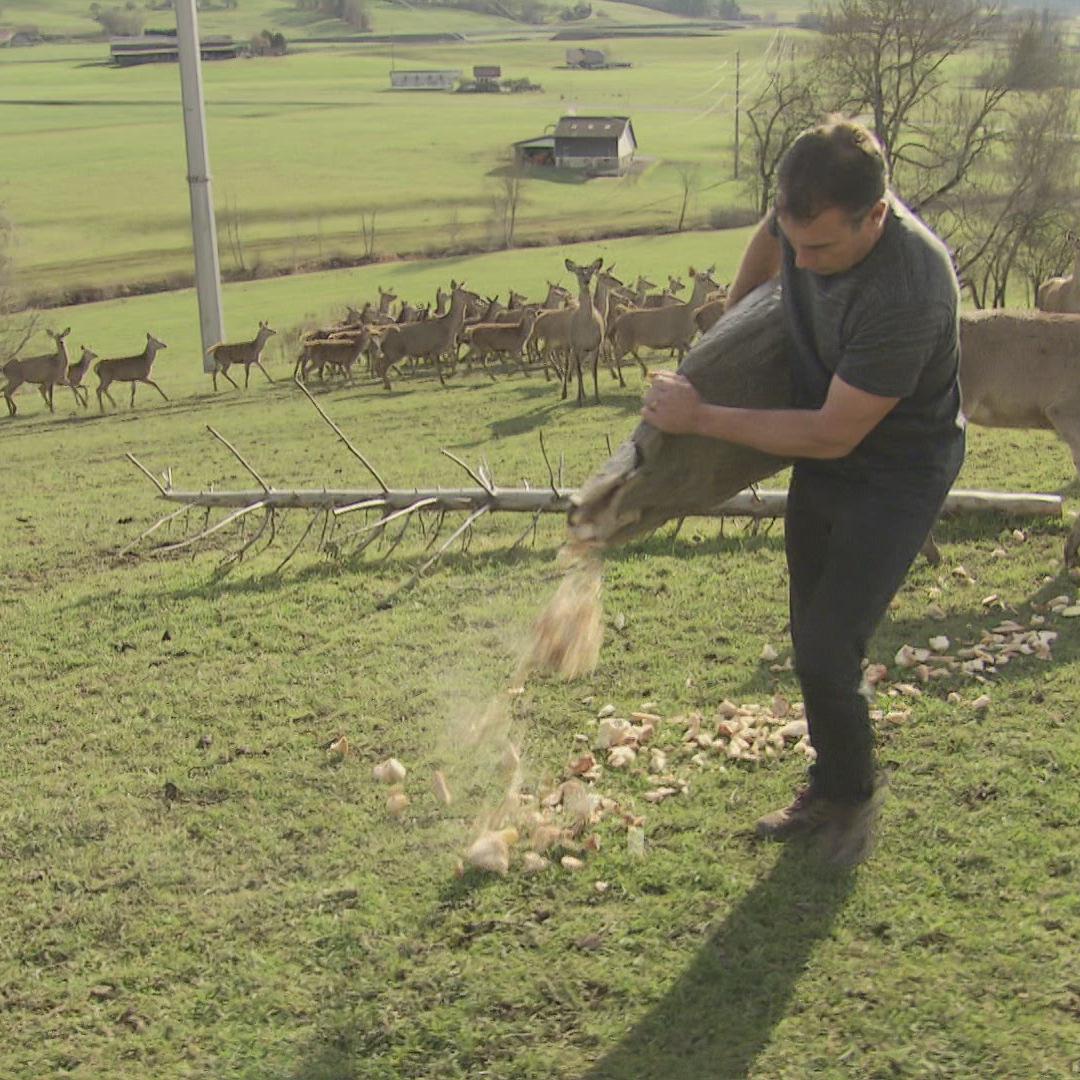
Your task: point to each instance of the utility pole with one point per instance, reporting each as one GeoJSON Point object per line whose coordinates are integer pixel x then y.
{"type": "Point", "coordinates": [203, 227]}
{"type": "Point", "coordinates": [737, 114]}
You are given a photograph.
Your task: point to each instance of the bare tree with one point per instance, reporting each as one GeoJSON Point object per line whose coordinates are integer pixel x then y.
{"type": "Point", "coordinates": [367, 232]}
{"type": "Point", "coordinates": [889, 59]}
{"type": "Point", "coordinates": [689, 174]}
{"type": "Point", "coordinates": [17, 325]}
{"type": "Point", "coordinates": [1014, 214]}
{"type": "Point", "coordinates": [508, 199]}
{"type": "Point", "coordinates": [785, 106]}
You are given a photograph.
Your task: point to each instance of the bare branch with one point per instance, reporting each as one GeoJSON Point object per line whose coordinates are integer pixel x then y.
{"type": "Point", "coordinates": [239, 457]}
{"type": "Point", "coordinates": [479, 479]}
{"type": "Point", "coordinates": [341, 435]}
{"type": "Point", "coordinates": [146, 472]}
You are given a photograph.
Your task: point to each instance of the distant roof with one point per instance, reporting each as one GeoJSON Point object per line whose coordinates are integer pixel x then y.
{"type": "Point", "coordinates": [580, 127]}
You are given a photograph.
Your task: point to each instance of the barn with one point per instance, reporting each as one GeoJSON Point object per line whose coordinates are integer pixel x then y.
{"type": "Point", "coordinates": [162, 48]}
{"type": "Point", "coordinates": [596, 145]}
{"type": "Point", "coordinates": [424, 80]}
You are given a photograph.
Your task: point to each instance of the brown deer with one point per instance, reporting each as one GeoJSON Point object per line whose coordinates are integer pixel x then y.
{"type": "Point", "coordinates": [1062, 294]}
{"type": "Point", "coordinates": [1021, 369]}
{"type": "Point", "coordinates": [428, 340]}
{"type": "Point", "coordinates": [586, 331]}
{"type": "Point", "coordinates": [132, 369]}
{"type": "Point", "coordinates": [674, 285]}
{"type": "Point", "coordinates": [670, 327]}
{"type": "Point", "coordinates": [46, 372]}
{"type": "Point", "coordinates": [240, 352]}
{"type": "Point", "coordinates": [501, 339]}
{"type": "Point", "coordinates": [77, 372]}
{"type": "Point", "coordinates": [341, 352]}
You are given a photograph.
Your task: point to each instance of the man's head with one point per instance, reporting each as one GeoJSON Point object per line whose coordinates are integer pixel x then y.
{"type": "Point", "coordinates": [830, 200]}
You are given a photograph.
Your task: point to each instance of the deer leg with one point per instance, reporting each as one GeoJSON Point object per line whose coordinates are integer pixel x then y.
{"type": "Point", "coordinates": [150, 382]}
{"type": "Point", "coordinates": [564, 378]}
{"type": "Point", "coordinates": [133, 385]}
{"type": "Point", "coordinates": [258, 364]}
{"type": "Point", "coordinates": [595, 383]}
{"type": "Point", "coordinates": [225, 372]}
{"type": "Point", "coordinates": [10, 401]}
{"type": "Point", "coordinates": [247, 375]}
{"type": "Point", "coordinates": [1066, 421]}
{"type": "Point", "coordinates": [49, 398]}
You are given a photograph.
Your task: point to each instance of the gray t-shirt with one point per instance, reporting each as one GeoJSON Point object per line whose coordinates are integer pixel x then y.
{"type": "Point", "coordinates": [889, 326]}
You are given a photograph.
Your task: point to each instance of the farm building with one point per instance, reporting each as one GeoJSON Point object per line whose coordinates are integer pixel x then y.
{"type": "Point", "coordinates": [585, 58]}
{"type": "Point", "coordinates": [595, 145]}
{"type": "Point", "coordinates": [424, 80]}
{"type": "Point", "coordinates": [598, 145]}
{"type": "Point", "coordinates": [162, 48]}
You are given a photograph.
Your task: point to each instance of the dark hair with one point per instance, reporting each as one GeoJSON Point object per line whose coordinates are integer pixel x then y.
{"type": "Point", "coordinates": [838, 163]}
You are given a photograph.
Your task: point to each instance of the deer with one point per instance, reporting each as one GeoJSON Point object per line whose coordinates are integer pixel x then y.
{"type": "Point", "coordinates": [77, 372]}
{"type": "Point", "coordinates": [1062, 294]}
{"type": "Point", "coordinates": [241, 352]}
{"type": "Point", "coordinates": [501, 339]}
{"type": "Point", "coordinates": [46, 371]}
{"type": "Point", "coordinates": [669, 296]}
{"type": "Point", "coordinates": [670, 327]}
{"type": "Point", "coordinates": [586, 331]}
{"type": "Point", "coordinates": [132, 369]}
{"type": "Point", "coordinates": [429, 339]}
{"type": "Point", "coordinates": [1021, 369]}
{"type": "Point", "coordinates": [341, 352]}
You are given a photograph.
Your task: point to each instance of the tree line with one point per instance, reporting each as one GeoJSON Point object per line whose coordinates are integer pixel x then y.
{"type": "Point", "coordinates": [976, 111]}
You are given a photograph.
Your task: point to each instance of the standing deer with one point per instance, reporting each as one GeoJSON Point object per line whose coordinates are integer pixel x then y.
{"type": "Point", "coordinates": [77, 372]}
{"type": "Point", "coordinates": [586, 331]}
{"type": "Point", "coordinates": [240, 352]}
{"type": "Point", "coordinates": [132, 369]}
{"type": "Point", "coordinates": [45, 371]}
{"type": "Point", "coordinates": [1062, 294]}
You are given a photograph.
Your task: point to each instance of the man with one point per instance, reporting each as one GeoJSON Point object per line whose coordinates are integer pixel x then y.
{"type": "Point", "coordinates": [872, 304]}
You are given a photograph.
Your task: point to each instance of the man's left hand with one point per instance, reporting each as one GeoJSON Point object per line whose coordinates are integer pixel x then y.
{"type": "Point", "coordinates": [672, 404]}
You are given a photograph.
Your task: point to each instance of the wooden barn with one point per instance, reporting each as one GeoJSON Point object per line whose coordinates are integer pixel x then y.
{"type": "Point", "coordinates": [597, 145]}
{"type": "Point", "coordinates": [162, 48]}
{"type": "Point", "coordinates": [424, 80]}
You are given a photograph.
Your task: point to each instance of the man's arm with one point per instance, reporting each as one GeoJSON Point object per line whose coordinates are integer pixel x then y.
{"type": "Point", "coordinates": [760, 263]}
{"type": "Point", "coordinates": [833, 431]}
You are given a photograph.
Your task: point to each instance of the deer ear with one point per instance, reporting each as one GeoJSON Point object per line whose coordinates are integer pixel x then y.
{"type": "Point", "coordinates": [570, 266]}
{"type": "Point", "coordinates": [712, 269]}
{"type": "Point", "coordinates": [693, 272]}
{"type": "Point", "coordinates": [597, 264]}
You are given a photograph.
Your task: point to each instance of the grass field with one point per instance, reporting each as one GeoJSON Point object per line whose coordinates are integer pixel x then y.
{"type": "Point", "coordinates": [303, 145]}
{"type": "Point", "coordinates": [72, 17]}
{"type": "Point", "coordinates": [193, 887]}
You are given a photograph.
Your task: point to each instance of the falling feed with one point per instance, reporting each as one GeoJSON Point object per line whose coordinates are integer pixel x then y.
{"type": "Point", "coordinates": [567, 635]}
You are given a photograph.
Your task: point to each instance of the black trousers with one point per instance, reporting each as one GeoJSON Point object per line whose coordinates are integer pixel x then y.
{"type": "Point", "coordinates": [851, 534]}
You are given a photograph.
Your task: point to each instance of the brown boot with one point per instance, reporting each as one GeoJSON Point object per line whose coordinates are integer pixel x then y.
{"type": "Point", "coordinates": [851, 835]}
{"type": "Point", "coordinates": [806, 814]}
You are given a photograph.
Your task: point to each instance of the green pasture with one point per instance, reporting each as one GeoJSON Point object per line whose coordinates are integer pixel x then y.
{"type": "Point", "coordinates": [193, 887]}
{"type": "Point", "coordinates": [71, 17]}
{"type": "Point", "coordinates": [303, 146]}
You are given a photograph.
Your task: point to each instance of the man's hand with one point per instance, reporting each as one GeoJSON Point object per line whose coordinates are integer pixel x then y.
{"type": "Point", "coordinates": [672, 404]}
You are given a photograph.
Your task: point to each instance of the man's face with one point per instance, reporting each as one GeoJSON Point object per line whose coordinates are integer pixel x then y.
{"type": "Point", "coordinates": [830, 243]}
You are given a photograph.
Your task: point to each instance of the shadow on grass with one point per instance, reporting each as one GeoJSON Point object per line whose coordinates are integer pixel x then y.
{"type": "Point", "coordinates": [716, 1018]}
{"type": "Point", "coordinates": [721, 1012]}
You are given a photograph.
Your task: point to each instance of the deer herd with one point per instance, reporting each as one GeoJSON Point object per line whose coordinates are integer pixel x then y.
{"type": "Point", "coordinates": [567, 334]}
